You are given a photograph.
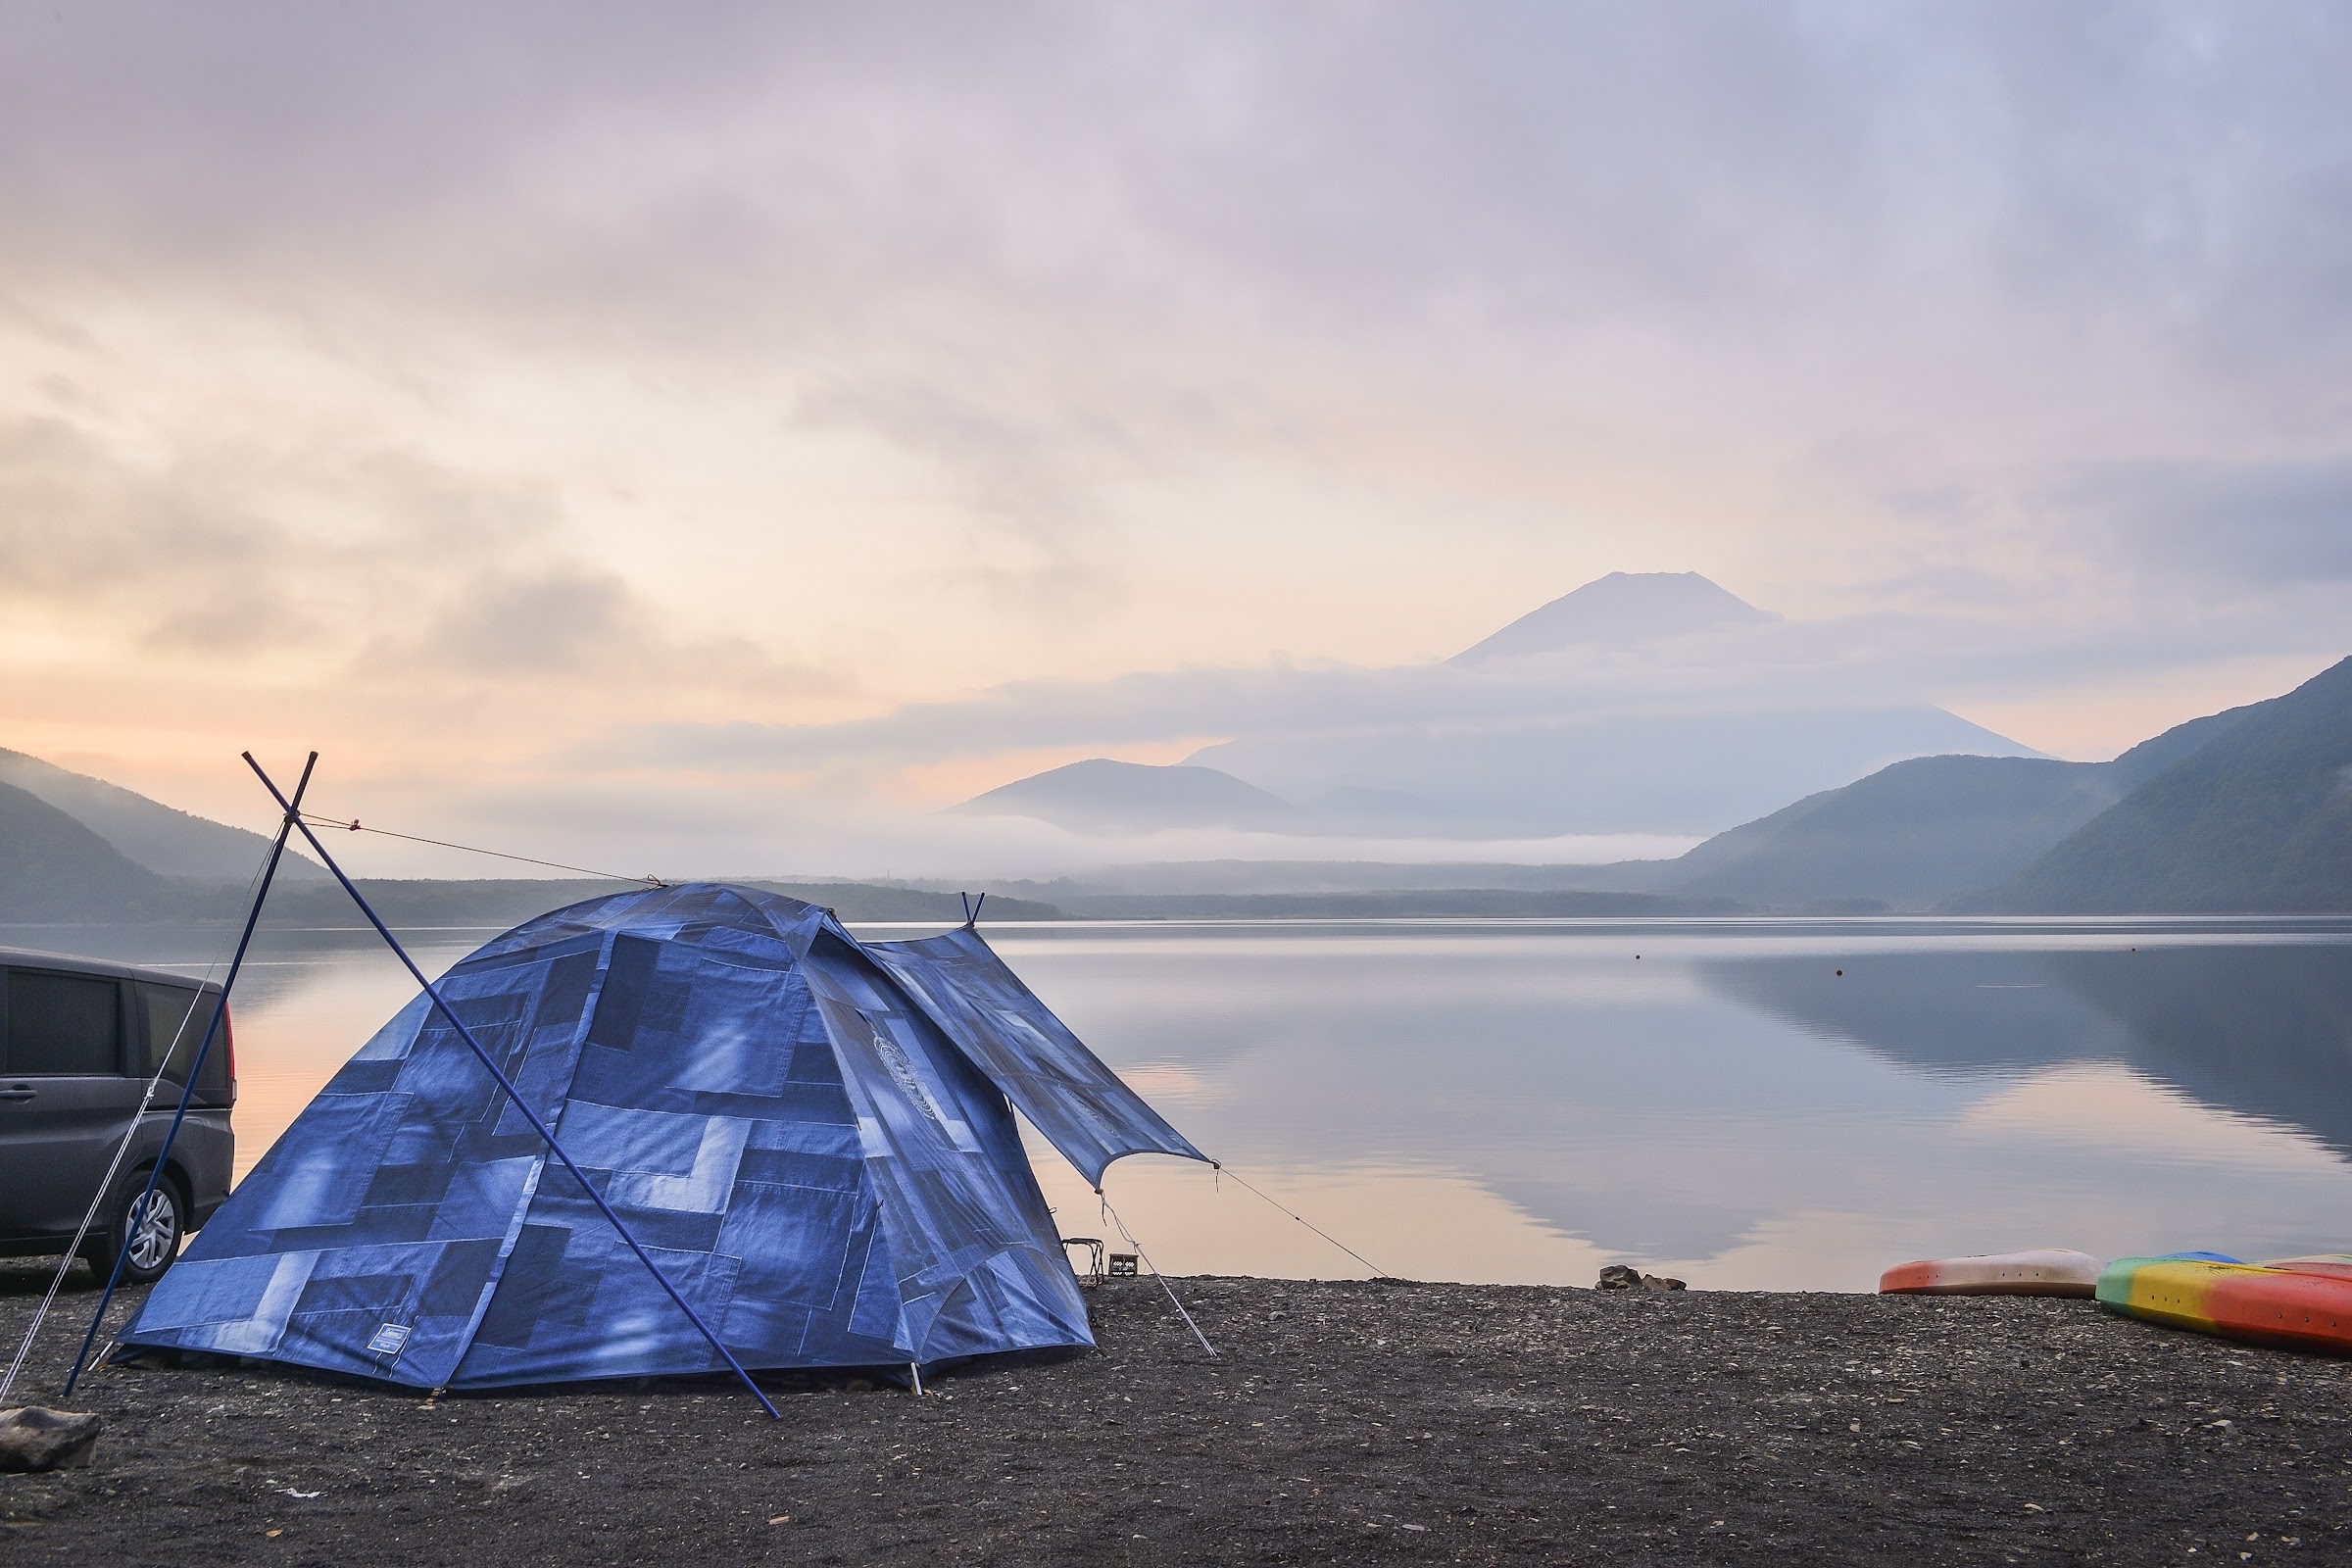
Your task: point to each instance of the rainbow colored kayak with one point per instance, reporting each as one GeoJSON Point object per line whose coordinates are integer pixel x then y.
{"type": "Point", "coordinates": [2302, 1304]}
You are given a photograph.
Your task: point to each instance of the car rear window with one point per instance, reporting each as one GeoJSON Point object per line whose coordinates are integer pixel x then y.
{"type": "Point", "coordinates": [176, 1023]}
{"type": "Point", "coordinates": [63, 1023]}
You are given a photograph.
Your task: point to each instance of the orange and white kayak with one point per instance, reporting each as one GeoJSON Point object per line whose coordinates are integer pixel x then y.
{"type": "Point", "coordinates": [2299, 1302]}
{"type": "Point", "coordinates": [2043, 1271]}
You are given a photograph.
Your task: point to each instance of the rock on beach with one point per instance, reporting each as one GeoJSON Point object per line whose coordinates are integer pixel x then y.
{"type": "Point", "coordinates": [32, 1439]}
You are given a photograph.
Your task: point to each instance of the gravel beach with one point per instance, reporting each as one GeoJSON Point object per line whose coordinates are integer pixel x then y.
{"type": "Point", "coordinates": [1340, 1422]}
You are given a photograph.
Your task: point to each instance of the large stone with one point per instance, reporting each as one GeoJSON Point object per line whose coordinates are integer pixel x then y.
{"type": "Point", "coordinates": [34, 1439]}
{"type": "Point", "coordinates": [1621, 1277]}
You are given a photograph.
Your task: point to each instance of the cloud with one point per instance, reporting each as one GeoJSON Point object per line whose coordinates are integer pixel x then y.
{"type": "Point", "coordinates": [79, 528]}
{"type": "Point", "coordinates": [1212, 202]}
{"type": "Point", "coordinates": [379, 566]}
{"type": "Point", "coordinates": [800, 393]}
{"type": "Point", "coordinates": [1783, 666]}
{"type": "Point", "coordinates": [525, 624]}
{"type": "Point", "coordinates": [2279, 523]}
{"type": "Point", "coordinates": [206, 541]}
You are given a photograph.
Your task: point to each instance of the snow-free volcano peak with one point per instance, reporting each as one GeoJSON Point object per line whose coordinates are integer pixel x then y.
{"type": "Point", "coordinates": [1102, 796]}
{"type": "Point", "coordinates": [1621, 608]}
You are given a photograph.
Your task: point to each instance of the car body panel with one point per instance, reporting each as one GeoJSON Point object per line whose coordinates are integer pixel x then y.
{"type": "Point", "coordinates": [60, 1129]}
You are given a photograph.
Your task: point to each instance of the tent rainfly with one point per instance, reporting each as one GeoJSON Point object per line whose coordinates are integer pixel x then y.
{"type": "Point", "coordinates": [814, 1137]}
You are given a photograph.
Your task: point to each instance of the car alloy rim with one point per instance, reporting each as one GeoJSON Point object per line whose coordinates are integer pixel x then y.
{"type": "Point", "coordinates": [154, 1227]}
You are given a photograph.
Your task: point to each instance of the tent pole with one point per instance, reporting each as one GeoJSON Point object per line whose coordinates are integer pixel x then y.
{"type": "Point", "coordinates": [513, 1093]}
{"type": "Point", "coordinates": [187, 1091]}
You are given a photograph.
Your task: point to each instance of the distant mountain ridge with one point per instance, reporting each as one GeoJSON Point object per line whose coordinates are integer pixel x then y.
{"type": "Point", "coordinates": [1667, 773]}
{"type": "Point", "coordinates": [2257, 817]}
{"type": "Point", "coordinates": [1919, 832]}
{"type": "Point", "coordinates": [1591, 764]}
{"type": "Point", "coordinates": [64, 860]}
{"type": "Point", "coordinates": [1100, 795]}
{"type": "Point", "coordinates": [1906, 837]}
{"type": "Point", "coordinates": [167, 842]}
{"type": "Point", "coordinates": [2249, 810]}
{"type": "Point", "coordinates": [2245, 811]}
{"type": "Point", "coordinates": [53, 868]}
{"type": "Point", "coordinates": [1531, 733]}
{"type": "Point", "coordinates": [1623, 609]}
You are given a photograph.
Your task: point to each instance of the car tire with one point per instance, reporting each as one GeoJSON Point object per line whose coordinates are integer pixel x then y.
{"type": "Point", "coordinates": [151, 1238]}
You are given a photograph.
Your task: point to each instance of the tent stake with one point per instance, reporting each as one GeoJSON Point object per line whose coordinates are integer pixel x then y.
{"type": "Point", "coordinates": [187, 1091]}
{"type": "Point", "coordinates": [915, 1371]}
{"type": "Point", "coordinates": [1155, 1273]}
{"type": "Point", "coordinates": [513, 1093]}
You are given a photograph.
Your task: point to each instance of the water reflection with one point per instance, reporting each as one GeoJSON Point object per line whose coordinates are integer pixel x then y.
{"type": "Point", "coordinates": [1719, 1099]}
{"type": "Point", "coordinates": [1528, 1101]}
{"type": "Point", "coordinates": [2259, 1023]}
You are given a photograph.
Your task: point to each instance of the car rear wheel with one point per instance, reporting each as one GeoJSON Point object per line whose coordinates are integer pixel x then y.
{"type": "Point", "coordinates": [144, 1231]}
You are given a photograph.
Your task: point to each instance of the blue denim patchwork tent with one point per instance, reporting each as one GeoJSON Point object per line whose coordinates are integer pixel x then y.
{"type": "Point", "coordinates": [813, 1138]}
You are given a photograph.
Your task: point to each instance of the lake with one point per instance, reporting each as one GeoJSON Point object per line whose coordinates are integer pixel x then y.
{"type": "Point", "coordinates": [1744, 1103]}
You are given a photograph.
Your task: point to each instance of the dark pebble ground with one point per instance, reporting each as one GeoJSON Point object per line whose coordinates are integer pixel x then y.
{"type": "Point", "coordinates": [1339, 1423]}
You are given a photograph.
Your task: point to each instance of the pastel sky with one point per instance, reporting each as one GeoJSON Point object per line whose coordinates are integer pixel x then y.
{"type": "Point", "coordinates": [524, 404]}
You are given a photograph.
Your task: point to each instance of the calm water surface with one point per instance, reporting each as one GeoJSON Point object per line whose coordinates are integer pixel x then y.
{"type": "Point", "coordinates": [1744, 1103]}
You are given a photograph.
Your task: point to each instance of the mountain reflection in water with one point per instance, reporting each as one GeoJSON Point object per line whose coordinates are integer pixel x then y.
{"type": "Point", "coordinates": [1717, 1100]}
{"type": "Point", "coordinates": [2256, 1024]}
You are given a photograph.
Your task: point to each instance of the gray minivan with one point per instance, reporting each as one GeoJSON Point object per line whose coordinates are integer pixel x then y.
{"type": "Point", "coordinates": [78, 1040]}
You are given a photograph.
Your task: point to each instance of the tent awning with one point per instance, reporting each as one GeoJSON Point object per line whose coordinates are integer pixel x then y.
{"type": "Point", "coordinates": [1065, 1090]}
